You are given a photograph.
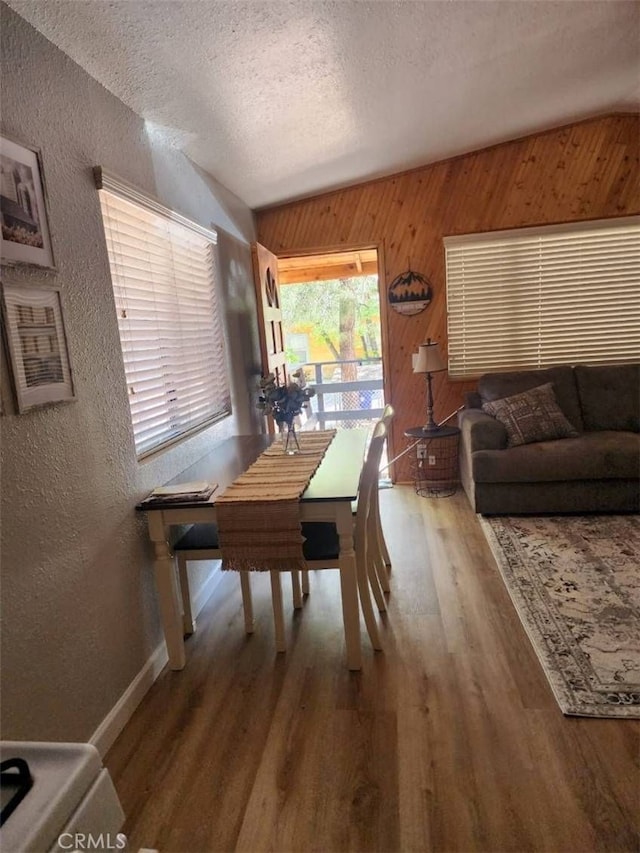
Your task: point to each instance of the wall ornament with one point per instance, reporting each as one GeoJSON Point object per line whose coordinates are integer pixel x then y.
{"type": "Point", "coordinates": [410, 293]}
{"type": "Point", "coordinates": [36, 342]}
{"type": "Point", "coordinates": [23, 211]}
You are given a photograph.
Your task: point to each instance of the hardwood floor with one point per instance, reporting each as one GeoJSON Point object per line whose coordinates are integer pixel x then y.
{"type": "Point", "coordinates": [449, 740]}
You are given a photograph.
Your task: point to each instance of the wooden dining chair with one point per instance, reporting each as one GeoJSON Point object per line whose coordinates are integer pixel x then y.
{"type": "Point", "coordinates": [321, 548]}
{"type": "Point", "coordinates": [378, 560]}
{"type": "Point", "coordinates": [380, 552]}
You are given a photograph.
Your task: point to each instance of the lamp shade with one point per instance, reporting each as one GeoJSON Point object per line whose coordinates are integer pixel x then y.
{"type": "Point", "coordinates": [428, 359]}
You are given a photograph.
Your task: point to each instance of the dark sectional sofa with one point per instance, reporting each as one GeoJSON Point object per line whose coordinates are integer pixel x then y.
{"type": "Point", "coordinates": [598, 470]}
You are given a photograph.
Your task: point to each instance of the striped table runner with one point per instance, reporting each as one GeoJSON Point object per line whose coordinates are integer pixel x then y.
{"type": "Point", "coordinates": [259, 514]}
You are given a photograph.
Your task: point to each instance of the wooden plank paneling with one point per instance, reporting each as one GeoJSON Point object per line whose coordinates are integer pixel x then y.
{"type": "Point", "coordinates": [588, 170]}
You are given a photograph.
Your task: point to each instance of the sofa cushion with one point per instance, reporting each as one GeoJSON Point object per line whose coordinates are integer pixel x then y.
{"type": "Point", "coordinates": [609, 396]}
{"type": "Point", "coordinates": [531, 416]}
{"type": "Point", "coordinates": [495, 386]}
{"type": "Point", "coordinates": [604, 455]}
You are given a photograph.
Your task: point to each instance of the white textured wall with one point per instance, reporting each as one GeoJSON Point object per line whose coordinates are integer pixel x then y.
{"type": "Point", "coordinates": [79, 614]}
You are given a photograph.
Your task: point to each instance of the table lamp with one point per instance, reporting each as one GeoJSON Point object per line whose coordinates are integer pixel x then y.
{"type": "Point", "coordinates": [428, 360]}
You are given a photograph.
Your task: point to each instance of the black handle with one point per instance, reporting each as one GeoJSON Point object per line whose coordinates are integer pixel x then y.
{"type": "Point", "coordinates": [15, 771]}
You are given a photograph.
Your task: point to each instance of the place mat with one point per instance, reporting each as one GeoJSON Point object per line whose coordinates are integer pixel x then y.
{"type": "Point", "coordinates": [199, 492]}
{"type": "Point", "coordinates": [259, 514]}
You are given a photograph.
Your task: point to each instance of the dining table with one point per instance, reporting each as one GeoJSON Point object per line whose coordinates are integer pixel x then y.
{"type": "Point", "coordinates": [328, 498]}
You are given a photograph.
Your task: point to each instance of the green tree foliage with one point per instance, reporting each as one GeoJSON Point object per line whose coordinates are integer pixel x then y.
{"type": "Point", "coordinates": [330, 306]}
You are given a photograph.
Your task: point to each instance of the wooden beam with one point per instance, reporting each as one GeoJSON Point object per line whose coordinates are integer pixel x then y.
{"type": "Point", "coordinates": [327, 267]}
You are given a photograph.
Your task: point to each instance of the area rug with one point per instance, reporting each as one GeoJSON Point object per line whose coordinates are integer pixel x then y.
{"type": "Point", "coordinates": [575, 582]}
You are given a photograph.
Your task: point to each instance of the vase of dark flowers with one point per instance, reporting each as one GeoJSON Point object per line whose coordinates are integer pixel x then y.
{"type": "Point", "coordinates": [284, 403]}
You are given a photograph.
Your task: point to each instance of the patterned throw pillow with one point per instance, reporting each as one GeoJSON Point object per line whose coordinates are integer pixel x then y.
{"type": "Point", "coordinates": [531, 416]}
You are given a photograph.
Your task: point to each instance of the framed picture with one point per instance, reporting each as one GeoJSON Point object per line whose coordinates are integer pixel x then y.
{"type": "Point", "coordinates": [23, 213]}
{"type": "Point", "coordinates": [37, 345]}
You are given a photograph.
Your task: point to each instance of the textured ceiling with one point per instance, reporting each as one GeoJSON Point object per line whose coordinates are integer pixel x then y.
{"type": "Point", "coordinates": [279, 99]}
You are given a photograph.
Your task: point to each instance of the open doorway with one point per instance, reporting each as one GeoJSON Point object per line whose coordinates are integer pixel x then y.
{"type": "Point", "coordinates": [332, 324]}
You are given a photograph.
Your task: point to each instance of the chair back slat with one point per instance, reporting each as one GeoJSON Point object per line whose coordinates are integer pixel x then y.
{"type": "Point", "coordinates": [369, 481]}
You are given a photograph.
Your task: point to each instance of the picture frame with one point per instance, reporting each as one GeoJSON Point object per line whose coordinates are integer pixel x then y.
{"type": "Point", "coordinates": [36, 344]}
{"type": "Point", "coordinates": [25, 237]}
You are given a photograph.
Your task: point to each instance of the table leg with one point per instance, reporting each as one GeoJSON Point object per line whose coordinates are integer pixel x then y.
{"type": "Point", "coordinates": [278, 611]}
{"type": "Point", "coordinates": [247, 602]}
{"type": "Point", "coordinates": [188, 622]}
{"type": "Point", "coordinates": [305, 582]}
{"type": "Point", "coordinates": [349, 587]}
{"type": "Point", "coordinates": [168, 597]}
{"type": "Point", "coordinates": [297, 590]}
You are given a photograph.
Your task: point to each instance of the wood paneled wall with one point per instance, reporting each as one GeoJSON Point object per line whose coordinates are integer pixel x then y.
{"type": "Point", "coordinates": [588, 170]}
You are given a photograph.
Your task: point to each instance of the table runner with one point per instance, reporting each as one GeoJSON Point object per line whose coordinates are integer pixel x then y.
{"type": "Point", "coordinates": [259, 514]}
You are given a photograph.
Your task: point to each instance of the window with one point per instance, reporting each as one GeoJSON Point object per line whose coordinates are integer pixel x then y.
{"type": "Point", "coordinates": [162, 270]}
{"type": "Point", "coordinates": [536, 297]}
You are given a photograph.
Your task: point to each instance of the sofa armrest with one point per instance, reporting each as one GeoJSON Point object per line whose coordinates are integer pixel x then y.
{"type": "Point", "coordinates": [480, 431]}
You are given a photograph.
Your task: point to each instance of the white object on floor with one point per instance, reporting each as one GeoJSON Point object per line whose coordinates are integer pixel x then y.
{"type": "Point", "coordinates": [72, 798]}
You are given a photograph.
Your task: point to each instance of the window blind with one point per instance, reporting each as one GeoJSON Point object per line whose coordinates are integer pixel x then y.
{"type": "Point", "coordinates": [536, 297]}
{"type": "Point", "coordinates": [169, 321]}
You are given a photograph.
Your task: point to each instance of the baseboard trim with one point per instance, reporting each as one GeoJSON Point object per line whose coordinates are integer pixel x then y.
{"type": "Point", "coordinates": [117, 718]}
{"type": "Point", "coordinates": [122, 711]}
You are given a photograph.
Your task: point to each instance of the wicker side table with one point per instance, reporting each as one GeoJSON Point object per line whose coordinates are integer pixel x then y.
{"type": "Point", "coordinates": [434, 465]}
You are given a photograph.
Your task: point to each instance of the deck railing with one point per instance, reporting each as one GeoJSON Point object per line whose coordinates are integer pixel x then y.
{"type": "Point", "coordinates": [346, 403]}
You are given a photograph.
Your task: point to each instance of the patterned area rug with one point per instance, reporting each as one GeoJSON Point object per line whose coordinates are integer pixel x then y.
{"type": "Point", "coordinates": [575, 582]}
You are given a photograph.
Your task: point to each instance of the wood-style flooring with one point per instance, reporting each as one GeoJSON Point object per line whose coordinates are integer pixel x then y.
{"type": "Point", "coordinates": [449, 740]}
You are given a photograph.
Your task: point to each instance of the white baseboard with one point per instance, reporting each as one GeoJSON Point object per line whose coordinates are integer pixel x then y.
{"type": "Point", "coordinates": [122, 711]}
{"type": "Point", "coordinates": [117, 718]}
